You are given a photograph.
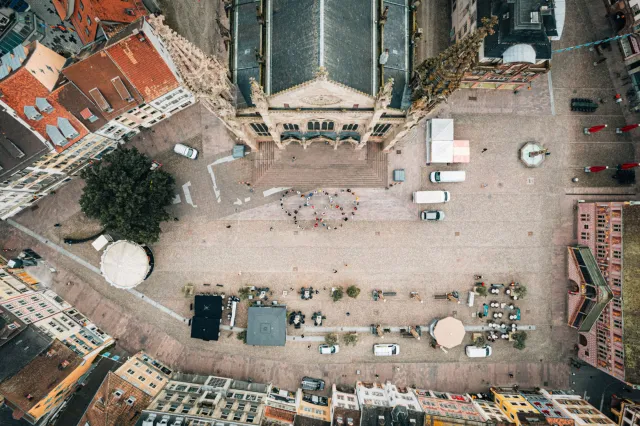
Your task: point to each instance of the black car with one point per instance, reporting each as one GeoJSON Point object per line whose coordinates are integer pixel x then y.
{"type": "Point", "coordinates": [309, 383]}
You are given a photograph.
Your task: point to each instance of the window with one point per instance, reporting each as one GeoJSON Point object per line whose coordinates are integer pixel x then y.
{"type": "Point", "coordinates": [153, 385]}
{"type": "Point", "coordinates": [380, 129]}
{"type": "Point", "coordinates": [617, 254]}
{"type": "Point", "coordinates": [317, 125]}
{"type": "Point", "coordinates": [79, 16]}
{"type": "Point", "coordinates": [291, 127]}
{"type": "Point", "coordinates": [130, 371]}
{"type": "Point", "coordinates": [88, 21]}
{"type": "Point", "coordinates": [81, 5]}
{"type": "Point", "coordinates": [142, 379]}
{"type": "Point", "coordinates": [584, 236]}
{"type": "Point", "coordinates": [261, 129]}
{"type": "Point", "coordinates": [617, 227]}
{"type": "Point", "coordinates": [350, 127]}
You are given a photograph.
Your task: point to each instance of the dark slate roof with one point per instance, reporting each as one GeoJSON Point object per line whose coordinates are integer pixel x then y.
{"type": "Point", "coordinates": [76, 407]}
{"type": "Point", "coordinates": [295, 48]}
{"type": "Point", "coordinates": [631, 292]}
{"type": "Point", "coordinates": [247, 43]}
{"type": "Point", "coordinates": [19, 147]}
{"type": "Point", "coordinates": [75, 101]}
{"type": "Point", "coordinates": [295, 41]}
{"type": "Point", "coordinates": [207, 306]}
{"type": "Point", "coordinates": [396, 36]}
{"type": "Point", "coordinates": [205, 328]}
{"type": "Point", "coordinates": [401, 416]}
{"type": "Point", "coordinates": [267, 326]}
{"type": "Point", "coordinates": [516, 27]}
{"type": "Point", "coordinates": [348, 43]}
{"type": "Point", "coordinates": [371, 414]}
{"type": "Point", "coordinates": [21, 350]}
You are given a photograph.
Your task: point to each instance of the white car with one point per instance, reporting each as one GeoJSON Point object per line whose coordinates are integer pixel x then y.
{"type": "Point", "coordinates": [476, 352]}
{"type": "Point", "coordinates": [185, 151]}
{"type": "Point", "coordinates": [328, 350]}
{"type": "Point", "coordinates": [432, 215]}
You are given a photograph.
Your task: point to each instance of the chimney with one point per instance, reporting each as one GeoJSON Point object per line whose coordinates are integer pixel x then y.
{"type": "Point", "coordinates": [130, 12]}
{"type": "Point", "coordinates": [381, 420]}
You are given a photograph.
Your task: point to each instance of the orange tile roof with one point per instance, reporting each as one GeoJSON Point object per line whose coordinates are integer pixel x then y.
{"type": "Point", "coordinates": [21, 89]}
{"type": "Point", "coordinates": [61, 8]}
{"type": "Point", "coordinates": [108, 409]}
{"type": "Point", "coordinates": [115, 10]}
{"type": "Point", "coordinates": [279, 414]}
{"type": "Point", "coordinates": [144, 67]}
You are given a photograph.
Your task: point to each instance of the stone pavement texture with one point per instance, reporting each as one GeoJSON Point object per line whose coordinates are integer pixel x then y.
{"type": "Point", "coordinates": [505, 222]}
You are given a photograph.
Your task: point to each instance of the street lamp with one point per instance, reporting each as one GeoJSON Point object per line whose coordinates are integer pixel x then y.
{"type": "Point", "coordinates": [604, 391]}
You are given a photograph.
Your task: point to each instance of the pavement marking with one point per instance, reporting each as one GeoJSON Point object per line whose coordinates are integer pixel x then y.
{"type": "Point", "coordinates": [223, 160]}
{"type": "Point", "coordinates": [238, 202]}
{"type": "Point", "coordinates": [187, 194]}
{"type": "Point", "coordinates": [90, 267]}
{"type": "Point", "coordinates": [552, 101]}
{"type": "Point", "coordinates": [213, 179]}
{"type": "Point", "coordinates": [272, 191]}
{"type": "Point", "coordinates": [176, 199]}
{"type": "Point", "coordinates": [246, 200]}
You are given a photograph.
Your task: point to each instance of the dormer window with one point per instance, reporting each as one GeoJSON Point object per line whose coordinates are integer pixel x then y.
{"type": "Point", "coordinates": [67, 129]}
{"type": "Point", "coordinates": [121, 89]}
{"type": "Point", "coordinates": [32, 113]}
{"type": "Point", "coordinates": [55, 136]}
{"type": "Point", "coordinates": [100, 100]}
{"type": "Point", "coordinates": [131, 400]}
{"type": "Point", "coordinates": [88, 115]}
{"type": "Point", "coordinates": [44, 105]}
{"type": "Point", "coordinates": [118, 393]}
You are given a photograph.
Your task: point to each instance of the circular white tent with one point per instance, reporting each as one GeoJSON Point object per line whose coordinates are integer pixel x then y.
{"type": "Point", "coordinates": [124, 264]}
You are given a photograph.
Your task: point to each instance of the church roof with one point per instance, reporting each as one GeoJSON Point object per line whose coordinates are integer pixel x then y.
{"type": "Point", "coordinates": [303, 35]}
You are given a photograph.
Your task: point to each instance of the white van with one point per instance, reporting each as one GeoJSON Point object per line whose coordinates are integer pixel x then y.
{"type": "Point", "coordinates": [424, 197]}
{"type": "Point", "coordinates": [454, 176]}
{"type": "Point", "coordinates": [388, 349]}
{"type": "Point", "coordinates": [476, 352]}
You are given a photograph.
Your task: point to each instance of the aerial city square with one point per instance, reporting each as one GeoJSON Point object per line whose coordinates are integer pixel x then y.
{"type": "Point", "coordinates": [319, 212]}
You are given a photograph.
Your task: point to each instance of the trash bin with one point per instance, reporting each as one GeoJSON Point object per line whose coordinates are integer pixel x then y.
{"type": "Point", "coordinates": [238, 151]}
{"type": "Point", "coordinates": [398, 175]}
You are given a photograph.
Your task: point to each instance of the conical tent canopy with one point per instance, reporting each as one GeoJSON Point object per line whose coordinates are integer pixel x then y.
{"type": "Point", "coordinates": [449, 332]}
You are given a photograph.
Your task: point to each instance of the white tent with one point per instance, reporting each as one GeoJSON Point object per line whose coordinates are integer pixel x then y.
{"type": "Point", "coordinates": [124, 264]}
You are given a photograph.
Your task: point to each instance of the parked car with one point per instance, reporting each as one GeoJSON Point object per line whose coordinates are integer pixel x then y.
{"type": "Point", "coordinates": [451, 176]}
{"type": "Point", "coordinates": [476, 352]}
{"type": "Point", "coordinates": [423, 197]}
{"type": "Point", "coordinates": [329, 349]}
{"type": "Point", "coordinates": [185, 151]}
{"type": "Point", "coordinates": [309, 383]}
{"type": "Point", "coordinates": [432, 215]}
{"type": "Point", "coordinates": [389, 349]}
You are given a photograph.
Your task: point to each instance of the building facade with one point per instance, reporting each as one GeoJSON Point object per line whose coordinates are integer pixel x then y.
{"type": "Point", "coordinates": [145, 372]}
{"type": "Point", "coordinates": [627, 412]}
{"type": "Point", "coordinates": [607, 322]}
{"type": "Point", "coordinates": [490, 411]}
{"type": "Point", "coordinates": [280, 406]}
{"type": "Point", "coordinates": [575, 407]}
{"type": "Point", "coordinates": [10, 286]}
{"type": "Point", "coordinates": [512, 403]}
{"type": "Point", "coordinates": [313, 407]}
{"type": "Point", "coordinates": [442, 407]}
{"type": "Point", "coordinates": [208, 401]}
{"type": "Point", "coordinates": [520, 49]}
{"type": "Point", "coordinates": [345, 410]}
{"type": "Point", "coordinates": [32, 306]}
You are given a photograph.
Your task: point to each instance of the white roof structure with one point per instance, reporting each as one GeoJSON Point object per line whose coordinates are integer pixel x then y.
{"type": "Point", "coordinates": [124, 264]}
{"type": "Point", "coordinates": [519, 53]}
{"type": "Point", "coordinates": [441, 129]}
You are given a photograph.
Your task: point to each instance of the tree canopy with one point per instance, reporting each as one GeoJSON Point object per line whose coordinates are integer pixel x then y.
{"type": "Point", "coordinates": [126, 196]}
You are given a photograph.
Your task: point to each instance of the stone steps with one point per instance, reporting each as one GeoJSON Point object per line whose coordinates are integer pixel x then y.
{"type": "Point", "coordinates": [264, 159]}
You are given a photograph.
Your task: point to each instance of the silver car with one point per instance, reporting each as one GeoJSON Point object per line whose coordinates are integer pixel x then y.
{"type": "Point", "coordinates": [432, 215]}
{"type": "Point", "coordinates": [185, 151]}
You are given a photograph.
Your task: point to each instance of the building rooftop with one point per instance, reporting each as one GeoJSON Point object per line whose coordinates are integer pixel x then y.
{"type": "Point", "coordinates": [372, 415]}
{"type": "Point", "coordinates": [345, 416]}
{"type": "Point", "coordinates": [21, 349]}
{"type": "Point", "coordinates": [95, 77]}
{"type": "Point", "coordinates": [19, 147]}
{"type": "Point", "coordinates": [631, 292]}
{"type": "Point", "coordinates": [117, 402]}
{"type": "Point", "coordinates": [267, 326]}
{"type": "Point", "coordinates": [21, 92]}
{"type": "Point", "coordinates": [205, 324]}
{"type": "Point", "coordinates": [586, 306]}
{"type": "Point", "coordinates": [341, 36]}
{"type": "Point", "coordinates": [123, 11]}
{"type": "Point", "coordinates": [144, 67]}
{"type": "Point", "coordinates": [520, 22]}
{"type": "Point", "coordinates": [77, 406]}
{"type": "Point", "coordinates": [36, 380]}
{"type": "Point", "coordinates": [301, 420]}
{"type": "Point", "coordinates": [81, 107]}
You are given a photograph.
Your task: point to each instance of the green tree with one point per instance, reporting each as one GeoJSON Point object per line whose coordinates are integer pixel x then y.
{"type": "Point", "coordinates": [480, 342]}
{"type": "Point", "coordinates": [353, 291]}
{"type": "Point", "coordinates": [520, 338]}
{"type": "Point", "coordinates": [481, 290]}
{"type": "Point", "coordinates": [242, 336]}
{"type": "Point", "coordinates": [350, 339]}
{"type": "Point", "coordinates": [331, 339]}
{"type": "Point", "coordinates": [337, 294]}
{"type": "Point", "coordinates": [244, 293]}
{"type": "Point", "coordinates": [126, 196]}
{"type": "Point", "coordinates": [520, 291]}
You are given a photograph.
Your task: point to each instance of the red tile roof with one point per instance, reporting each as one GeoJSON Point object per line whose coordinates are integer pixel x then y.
{"type": "Point", "coordinates": [144, 67]}
{"type": "Point", "coordinates": [21, 89]}
{"type": "Point", "coordinates": [97, 71]}
{"type": "Point", "coordinates": [116, 10]}
{"type": "Point", "coordinates": [101, 12]}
